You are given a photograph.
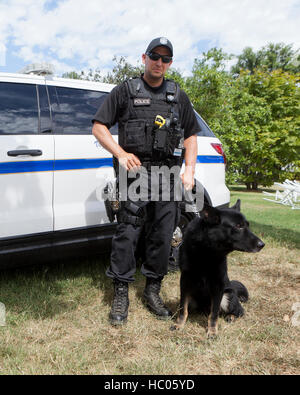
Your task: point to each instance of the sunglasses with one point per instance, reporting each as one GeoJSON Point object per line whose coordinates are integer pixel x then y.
{"type": "Point", "coordinates": [156, 56]}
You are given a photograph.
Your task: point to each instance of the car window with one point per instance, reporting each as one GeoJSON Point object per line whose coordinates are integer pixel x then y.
{"type": "Point", "coordinates": [18, 108]}
{"type": "Point", "coordinates": [205, 130]}
{"type": "Point", "coordinates": [73, 109]}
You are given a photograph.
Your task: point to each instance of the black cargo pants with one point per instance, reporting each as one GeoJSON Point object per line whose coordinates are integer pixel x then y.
{"type": "Point", "coordinates": [158, 227]}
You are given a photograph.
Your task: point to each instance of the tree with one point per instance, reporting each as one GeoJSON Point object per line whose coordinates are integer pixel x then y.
{"type": "Point", "coordinates": [264, 140]}
{"type": "Point", "coordinates": [175, 75]}
{"type": "Point", "coordinates": [122, 71]}
{"type": "Point", "coordinates": [256, 115]}
{"type": "Point", "coordinates": [73, 75]}
{"type": "Point", "coordinates": [272, 57]}
{"type": "Point", "coordinates": [209, 86]}
{"type": "Point", "coordinates": [91, 76]}
{"type": "Point", "coordinates": [248, 60]}
{"type": "Point", "coordinates": [279, 56]}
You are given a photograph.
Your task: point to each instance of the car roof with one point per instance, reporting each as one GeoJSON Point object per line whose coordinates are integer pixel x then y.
{"type": "Point", "coordinates": [50, 80]}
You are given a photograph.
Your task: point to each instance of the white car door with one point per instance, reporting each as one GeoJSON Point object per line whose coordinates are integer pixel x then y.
{"type": "Point", "coordinates": [26, 158]}
{"type": "Point", "coordinates": [81, 165]}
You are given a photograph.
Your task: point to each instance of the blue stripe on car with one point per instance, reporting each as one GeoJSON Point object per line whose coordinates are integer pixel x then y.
{"type": "Point", "coordinates": [210, 159]}
{"type": "Point", "coordinates": [76, 164]}
{"type": "Point", "coordinates": [26, 167]}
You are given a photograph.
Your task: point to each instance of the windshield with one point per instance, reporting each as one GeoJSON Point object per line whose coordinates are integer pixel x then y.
{"type": "Point", "coordinates": [205, 130]}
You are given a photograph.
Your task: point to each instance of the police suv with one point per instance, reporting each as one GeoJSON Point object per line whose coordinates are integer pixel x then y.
{"type": "Point", "coordinates": [52, 169]}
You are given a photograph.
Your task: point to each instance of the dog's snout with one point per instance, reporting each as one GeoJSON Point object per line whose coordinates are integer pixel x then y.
{"type": "Point", "coordinates": [260, 244]}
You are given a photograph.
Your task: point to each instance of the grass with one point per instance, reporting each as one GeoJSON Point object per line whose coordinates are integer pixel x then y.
{"type": "Point", "coordinates": [280, 224]}
{"type": "Point", "coordinates": [56, 321]}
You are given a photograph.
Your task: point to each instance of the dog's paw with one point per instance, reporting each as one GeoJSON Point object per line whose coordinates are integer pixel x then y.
{"type": "Point", "coordinates": [211, 336]}
{"type": "Point", "coordinates": [230, 318]}
{"type": "Point", "coordinates": [174, 328]}
{"type": "Point", "coordinates": [212, 333]}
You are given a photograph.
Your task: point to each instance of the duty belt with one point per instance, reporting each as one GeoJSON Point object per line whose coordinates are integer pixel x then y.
{"type": "Point", "coordinates": [167, 162]}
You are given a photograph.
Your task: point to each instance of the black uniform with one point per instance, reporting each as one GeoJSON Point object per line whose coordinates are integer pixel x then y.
{"type": "Point", "coordinates": [134, 105]}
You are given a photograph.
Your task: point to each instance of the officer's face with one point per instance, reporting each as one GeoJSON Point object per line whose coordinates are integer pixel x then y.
{"type": "Point", "coordinates": [156, 69]}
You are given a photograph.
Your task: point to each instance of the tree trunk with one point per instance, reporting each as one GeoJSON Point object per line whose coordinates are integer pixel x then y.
{"type": "Point", "coordinates": [251, 186]}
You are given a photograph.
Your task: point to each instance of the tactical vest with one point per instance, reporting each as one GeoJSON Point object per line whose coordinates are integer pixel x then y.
{"type": "Point", "coordinates": [138, 133]}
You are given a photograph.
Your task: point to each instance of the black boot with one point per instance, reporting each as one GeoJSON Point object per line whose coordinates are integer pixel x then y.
{"type": "Point", "coordinates": [119, 309]}
{"type": "Point", "coordinates": [153, 300]}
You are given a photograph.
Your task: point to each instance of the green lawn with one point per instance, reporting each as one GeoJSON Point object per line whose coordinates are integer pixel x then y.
{"type": "Point", "coordinates": [277, 223]}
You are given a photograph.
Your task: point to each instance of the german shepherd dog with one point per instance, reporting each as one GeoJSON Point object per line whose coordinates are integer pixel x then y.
{"type": "Point", "coordinates": [204, 281]}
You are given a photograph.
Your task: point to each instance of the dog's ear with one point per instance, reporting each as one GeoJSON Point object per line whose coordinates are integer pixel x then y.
{"type": "Point", "coordinates": [210, 215]}
{"type": "Point", "coordinates": [237, 205]}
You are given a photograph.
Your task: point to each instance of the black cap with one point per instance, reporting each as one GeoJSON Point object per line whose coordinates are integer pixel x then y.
{"type": "Point", "coordinates": [160, 42]}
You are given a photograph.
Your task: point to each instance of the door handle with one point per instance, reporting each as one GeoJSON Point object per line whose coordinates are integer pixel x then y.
{"type": "Point", "coordinates": [31, 152]}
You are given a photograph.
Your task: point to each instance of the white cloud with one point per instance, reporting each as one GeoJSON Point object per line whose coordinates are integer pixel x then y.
{"type": "Point", "coordinates": [88, 33]}
{"type": "Point", "coordinates": [2, 54]}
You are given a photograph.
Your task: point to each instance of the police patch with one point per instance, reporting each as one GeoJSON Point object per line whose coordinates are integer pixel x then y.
{"type": "Point", "coordinates": [142, 102]}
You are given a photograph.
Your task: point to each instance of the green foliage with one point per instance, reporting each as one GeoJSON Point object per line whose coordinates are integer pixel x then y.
{"type": "Point", "coordinates": [272, 57]}
{"type": "Point", "coordinates": [255, 115]}
{"type": "Point", "coordinates": [175, 75]}
{"type": "Point", "coordinates": [279, 56]}
{"type": "Point", "coordinates": [90, 76]}
{"type": "Point", "coordinates": [122, 71]}
{"type": "Point", "coordinates": [263, 142]}
{"type": "Point", "coordinates": [209, 86]}
{"type": "Point", "coordinates": [73, 75]}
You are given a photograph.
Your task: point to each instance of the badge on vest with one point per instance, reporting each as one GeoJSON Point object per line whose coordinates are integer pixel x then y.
{"type": "Point", "coordinates": [177, 152]}
{"type": "Point", "coordinates": [142, 102]}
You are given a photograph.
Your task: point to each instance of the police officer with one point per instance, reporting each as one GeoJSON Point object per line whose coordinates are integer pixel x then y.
{"type": "Point", "coordinates": [157, 127]}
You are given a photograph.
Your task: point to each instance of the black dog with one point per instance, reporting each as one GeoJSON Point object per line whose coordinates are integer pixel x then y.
{"type": "Point", "coordinates": [207, 242]}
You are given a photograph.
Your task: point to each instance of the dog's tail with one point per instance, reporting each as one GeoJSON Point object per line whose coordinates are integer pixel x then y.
{"type": "Point", "coordinates": [240, 290]}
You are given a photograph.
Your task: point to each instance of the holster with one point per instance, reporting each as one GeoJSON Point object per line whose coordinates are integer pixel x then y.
{"type": "Point", "coordinates": [111, 201]}
{"type": "Point", "coordinates": [132, 213]}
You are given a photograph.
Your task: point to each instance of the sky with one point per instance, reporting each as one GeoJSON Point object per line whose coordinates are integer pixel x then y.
{"type": "Point", "coordinates": [86, 34]}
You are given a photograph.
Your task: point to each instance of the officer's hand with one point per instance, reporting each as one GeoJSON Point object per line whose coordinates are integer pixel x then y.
{"type": "Point", "coordinates": [129, 161]}
{"type": "Point", "coordinates": [188, 180]}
